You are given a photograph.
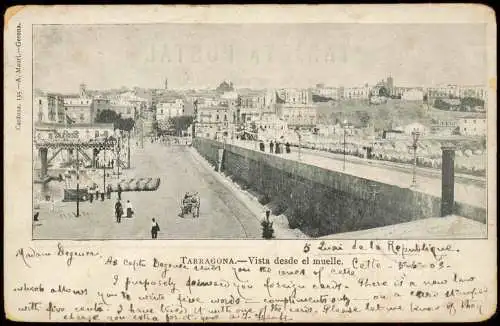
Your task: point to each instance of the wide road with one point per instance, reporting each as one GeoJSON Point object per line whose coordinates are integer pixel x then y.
{"type": "Point", "coordinates": [222, 215]}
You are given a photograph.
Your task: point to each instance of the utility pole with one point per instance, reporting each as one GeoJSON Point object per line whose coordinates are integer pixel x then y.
{"type": "Point", "coordinates": [344, 149]}
{"type": "Point", "coordinates": [104, 173]}
{"type": "Point", "coordinates": [77, 183]}
{"type": "Point", "coordinates": [128, 150]}
{"type": "Point", "coordinates": [118, 157]}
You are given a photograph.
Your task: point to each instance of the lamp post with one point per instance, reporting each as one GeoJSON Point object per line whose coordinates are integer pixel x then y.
{"type": "Point", "coordinates": [77, 183]}
{"type": "Point", "coordinates": [345, 130]}
{"type": "Point", "coordinates": [104, 169]}
{"type": "Point", "coordinates": [415, 135]}
{"type": "Point", "coordinates": [300, 145]}
{"type": "Point", "coordinates": [128, 150]}
{"type": "Point", "coordinates": [118, 157]}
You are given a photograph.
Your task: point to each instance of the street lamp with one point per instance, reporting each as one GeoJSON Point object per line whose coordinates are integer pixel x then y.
{"type": "Point", "coordinates": [345, 130]}
{"type": "Point", "coordinates": [415, 135]}
{"type": "Point", "coordinates": [77, 183]}
{"type": "Point", "coordinates": [298, 134]}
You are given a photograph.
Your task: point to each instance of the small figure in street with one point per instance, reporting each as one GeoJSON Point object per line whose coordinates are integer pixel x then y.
{"type": "Point", "coordinates": [262, 146]}
{"type": "Point", "coordinates": [96, 192]}
{"type": "Point", "coordinates": [119, 192]}
{"type": "Point", "coordinates": [155, 228]}
{"type": "Point", "coordinates": [52, 204]}
{"type": "Point", "coordinates": [91, 194]}
{"type": "Point", "coordinates": [118, 211]}
{"type": "Point", "coordinates": [108, 191]}
{"type": "Point", "coordinates": [271, 147]}
{"type": "Point", "coordinates": [277, 147]}
{"type": "Point", "coordinates": [287, 147]}
{"type": "Point", "coordinates": [128, 206]}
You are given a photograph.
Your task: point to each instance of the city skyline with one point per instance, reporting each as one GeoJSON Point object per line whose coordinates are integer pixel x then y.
{"type": "Point", "coordinates": [194, 56]}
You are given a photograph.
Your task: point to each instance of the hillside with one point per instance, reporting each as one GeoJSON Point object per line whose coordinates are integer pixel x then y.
{"type": "Point", "coordinates": [381, 116]}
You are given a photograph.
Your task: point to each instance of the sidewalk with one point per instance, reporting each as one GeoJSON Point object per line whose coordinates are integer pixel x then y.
{"type": "Point", "coordinates": [466, 193]}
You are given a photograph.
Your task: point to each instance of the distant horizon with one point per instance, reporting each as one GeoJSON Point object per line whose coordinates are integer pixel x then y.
{"type": "Point", "coordinates": [236, 88]}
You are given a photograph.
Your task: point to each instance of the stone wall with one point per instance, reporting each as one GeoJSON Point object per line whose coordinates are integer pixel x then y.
{"type": "Point", "coordinates": [320, 201]}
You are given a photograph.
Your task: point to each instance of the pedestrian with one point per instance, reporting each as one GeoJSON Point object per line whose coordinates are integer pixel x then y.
{"type": "Point", "coordinates": [271, 147]}
{"type": "Point", "coordinates": [155, 228]}
{"type": "Point", "coordinates": [128, 206]}
{"type": "Point", "coordinates": [97, 192]}
{"type": "Point", "coordinates": [277, 147]}
{"type": "Point", "coordinates": [108, 191]}
{"type": "Point", "coordinates": [287, 147]}
{"type": "Point", "coordinates": [118, 211]}
{"type": "Point", "coordinates": [119, 192]}
{"type": "Point", "coordinates": [91, 194]}
{"type": "Point", "coordinates": [52, 204]}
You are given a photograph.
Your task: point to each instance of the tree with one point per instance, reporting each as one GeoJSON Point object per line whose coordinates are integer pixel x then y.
{"type": "Point", "coordinates": [383, 91]}
{"type": "Point", "coordinates": [180, 123]}
{"type": "Point", "coordinates": [363, 117]}
{"type": "Point", "coordinates": [107, 116]}
{"type": "Point", "coordinates": [110, 116]}
{"type": "Point", "coordinates": [125, 124]}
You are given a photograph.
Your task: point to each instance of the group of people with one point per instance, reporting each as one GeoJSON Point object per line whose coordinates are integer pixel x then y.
{"type": "Point", "coordinates": [119, 210]}
{"type": "Point", "coordinates": [95, 192]}
{"type": "Point", "coordinates": [275, 147]}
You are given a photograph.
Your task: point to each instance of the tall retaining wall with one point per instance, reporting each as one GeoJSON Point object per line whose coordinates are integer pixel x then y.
{"type": "Point", "coordinates": [321, 201]}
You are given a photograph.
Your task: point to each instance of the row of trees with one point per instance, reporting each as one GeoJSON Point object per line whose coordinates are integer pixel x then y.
{"type": "Point", "coordinates": [466, 104]}
{"type": "Point", "coordinates": [110, 116]}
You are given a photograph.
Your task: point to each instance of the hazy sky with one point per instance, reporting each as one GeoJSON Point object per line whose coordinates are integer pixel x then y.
{"type": "Point", "coordinates": [256, 55]}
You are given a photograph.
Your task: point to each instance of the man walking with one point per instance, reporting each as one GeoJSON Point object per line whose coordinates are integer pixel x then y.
{"type": "Point", "coordinates": [271, 146]}
{"type": "Point", "coordinates": [155, 228]}
{"type": "Point", "coordinates": [119, 192]}
{"type": "Point", "coordinates": [118, 211]}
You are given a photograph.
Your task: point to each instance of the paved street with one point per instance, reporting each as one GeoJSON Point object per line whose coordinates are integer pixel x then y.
{"type": "Point", "coordinates": [222, 215]}
{"type": "Point", "coordinates": [469, 193]}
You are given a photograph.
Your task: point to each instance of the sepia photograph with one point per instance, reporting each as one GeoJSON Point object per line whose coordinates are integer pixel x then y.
{"type": "Point", "coordinates": [250, 163]}
{"type": "Point", "coordinates": [203, 131]}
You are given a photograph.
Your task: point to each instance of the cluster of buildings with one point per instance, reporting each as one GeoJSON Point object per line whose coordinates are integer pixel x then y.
{"type": "Point", "coordinates": [82, 108]}
{"type": "Point", "coordinates": [388, 88]}
{"type": "Point", "coordinates": [226, 111]}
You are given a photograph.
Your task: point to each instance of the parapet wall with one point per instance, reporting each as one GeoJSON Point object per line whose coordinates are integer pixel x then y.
{"type": "Point", "coordinates": [321, 201]}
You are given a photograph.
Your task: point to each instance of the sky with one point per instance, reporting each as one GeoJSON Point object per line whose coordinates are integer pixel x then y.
{"type": "Point", "coordinates": [256, 55]}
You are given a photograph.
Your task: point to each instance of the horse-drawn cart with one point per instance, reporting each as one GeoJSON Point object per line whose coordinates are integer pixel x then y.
{"type": "Point", "coordinates": [190, 204]}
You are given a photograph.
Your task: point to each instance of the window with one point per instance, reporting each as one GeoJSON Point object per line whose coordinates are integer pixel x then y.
{"type": "Point", "coordinates": [82, 117]}
{"type": "Point", "coordinates": [40, 102]}
{"type": "Point", "coordinates": [96, 133]}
